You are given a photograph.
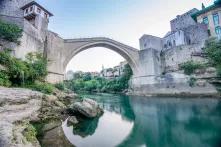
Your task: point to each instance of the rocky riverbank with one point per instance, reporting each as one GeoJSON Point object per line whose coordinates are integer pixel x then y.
{"type": "Point", "coordinates": [19, 107]}
{"type": "Point", "coordinates": [33, 119]}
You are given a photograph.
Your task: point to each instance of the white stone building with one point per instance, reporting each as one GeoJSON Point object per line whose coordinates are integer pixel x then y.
{"type": "Point", "coordinates": [185, 40]}
{"type": "Point", "coordinates": [117, 71]}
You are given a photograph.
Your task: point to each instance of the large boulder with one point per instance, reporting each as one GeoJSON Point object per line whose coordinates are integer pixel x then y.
{"type": "Point", "coordinates": [87, 107]}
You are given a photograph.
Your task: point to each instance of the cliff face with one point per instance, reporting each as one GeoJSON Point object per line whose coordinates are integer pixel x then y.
{"type": "Point", "coordinates": [17, 106]}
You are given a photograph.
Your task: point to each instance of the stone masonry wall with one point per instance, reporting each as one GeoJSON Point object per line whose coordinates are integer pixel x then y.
{"type": "Point", "coordinates": [183, 21]}
{"type": "Point", "coordinates": [197, 34]}
{"type": "Point", "coordinates": [55, 45]}
{"type": "Point", "coordinates": [33, 38]}
{"type": "Point", "coordinates": [149, 41]}
{"type": "Point", "coordinates": [177, 55]}
{"type": "Point", "coordinates": [12, 7]}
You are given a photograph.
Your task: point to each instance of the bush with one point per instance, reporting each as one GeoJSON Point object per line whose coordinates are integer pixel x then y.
{"type": "Point", "coordinates": [192, 81]}
{"type": "Point", "coordinates": [190, 67]}
{"type": "Point", "coordinates": [30, 133]}
{"type": "Point", "coordinates": [4, 79]}
{"type": "Point", "coordinates": [213, 52]}
{"type": "Point", "coordinates": [42, 87]}
{"type": "Point", "coordinates": [10, 32]}
{"type": "Point", "coordinates": [218, 68]}
{"type": "Point", "coordinates": [90, 85]}
{"type": "Point", "coordinates": [37, 66]}
{"type": "Point", "coordinates": [24, 72]}
{"type": "Point", "coordinates": [60, 86]}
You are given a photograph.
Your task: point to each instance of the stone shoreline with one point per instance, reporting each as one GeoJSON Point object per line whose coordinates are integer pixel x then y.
{"type": "Point", "coordinates": [19, 107]}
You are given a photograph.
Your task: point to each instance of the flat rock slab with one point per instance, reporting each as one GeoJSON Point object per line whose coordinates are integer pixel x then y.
{"type": "Point", "coordinates": [16, 105]}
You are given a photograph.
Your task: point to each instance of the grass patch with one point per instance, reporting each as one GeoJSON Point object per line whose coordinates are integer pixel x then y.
{"type": "Point", "coordinates": [30, 133]}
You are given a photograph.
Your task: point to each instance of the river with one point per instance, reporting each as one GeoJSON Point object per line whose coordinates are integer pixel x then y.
{"type": "Point", "coordinates": [132, 121]}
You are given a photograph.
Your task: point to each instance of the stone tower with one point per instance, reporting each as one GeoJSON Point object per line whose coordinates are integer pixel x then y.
{"type": "Point", "coordinates": [32, 18]}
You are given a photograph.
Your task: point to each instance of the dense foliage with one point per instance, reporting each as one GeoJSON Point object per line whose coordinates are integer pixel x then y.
{"type": "Point", "coordinates": [4, 79]}
{"type": "Point", "coordinates": [24, 72]}
{"type": "Point", "coordinates": [29, 73]}
{"type": "Point", "coordinates": [89, 83]}
{"type": "Point", "coordinates": [41, 86]}
{"type": "Point", "coordinates": [10, 32]}
{"type": "Point", "coordinates": [190, 67]}
{"type": "Point", "coordinates": [213, 52]}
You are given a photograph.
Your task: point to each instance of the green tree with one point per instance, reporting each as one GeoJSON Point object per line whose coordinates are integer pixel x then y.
{"type": "Point", "coordinates": [87, 76]}
{"type": "Point", "coordinates": [90, 85]}
{"type": "Point", "coordinates": [213, 52]}
{"type": "Point", "coordinates": [77, 75]}
{"type": "Point", "coordinates": [37, 65]}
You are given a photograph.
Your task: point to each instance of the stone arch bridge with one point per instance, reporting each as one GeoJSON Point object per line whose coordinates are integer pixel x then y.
{"type": "Point", "coordinates": [60, 51]}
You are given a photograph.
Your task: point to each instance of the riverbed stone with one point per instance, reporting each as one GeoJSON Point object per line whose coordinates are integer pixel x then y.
{"type": "Point", "coordinates": [71, 95]}
{"type": "Point", "coordinates": [201, 83]}
{"type": "Point", "coordinates": [60, 104]}
{"type": "Point", "coordinates": [51, 98]}
{"type": "Point", "coordinates": [72, 120]}
{"type": "Point", "coordinates": [87, 107]}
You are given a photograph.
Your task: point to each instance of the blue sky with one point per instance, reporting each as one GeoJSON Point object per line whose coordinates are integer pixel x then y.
{"type": "Point", "coordinates": [123, 20]}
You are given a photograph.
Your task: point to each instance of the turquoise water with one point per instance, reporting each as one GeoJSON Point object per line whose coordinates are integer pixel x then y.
{"type": "Point", "coordinates": [131, 121]}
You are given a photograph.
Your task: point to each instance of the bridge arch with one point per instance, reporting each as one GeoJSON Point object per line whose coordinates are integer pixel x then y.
{"type": "Point", "coordinates": [75, 46]}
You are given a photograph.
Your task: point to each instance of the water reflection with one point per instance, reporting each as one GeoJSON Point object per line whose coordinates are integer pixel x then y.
{"type": "Point", "coordinates": [110, 131]}
{"type": "Point", "coordinates": [152, 122]}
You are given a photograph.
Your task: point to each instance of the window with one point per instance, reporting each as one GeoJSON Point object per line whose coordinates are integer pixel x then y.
{"type": "Point", "coordinates": [39, 10]}
{"type": "Point", "coordinates": [205, 20]}
{"type": "Point", "coordinates": [145, 44]}
{"type": "Point", "coordinates": [26, 11]}
{"type": "Point", "coordinates": [169, 43]}
{"type": "Point", "coordinates": [189, 41]}
{"type": "Point", "coordinates": [31, 8]}
{"type": "Point", "coordinates": [218, 31]}
{"type": "Point", "coordinates": [209, 33]}
{"type": "Point", "coordinates": [174, 42]}
{"type": "Point", "coordinates": [216, 19]}
{"type": "Point", "coordinates": [46, 15]}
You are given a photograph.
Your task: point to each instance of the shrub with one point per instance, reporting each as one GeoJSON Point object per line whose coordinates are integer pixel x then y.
{"type": "Point", "coordinates": [90, 85]}
{"type": "Point", "coordinates": [24, 72]}
{"type": "Point", "coordinates": [213, 52]}
{"type": "Point", "coordinates": [30, 133]}
{"type": "Point", "coordinates": [218, 68]}
{"type": "Point", "coordinates": [192, 81]}
{"type": "Point", "coordinates": [60, 86]}
{"type": "Point", "coordinates": [4, 79]}
{"type": "Point", "coordinates": [42, 87]}
{"type": "Point", "coordinates": [37, 66]}
{"type": "Point", "coordinates": [16, 69]}
{"type": "Point", "coordinates": [189, 67]}
{"type": "Point", "coordinates": [10, 32]}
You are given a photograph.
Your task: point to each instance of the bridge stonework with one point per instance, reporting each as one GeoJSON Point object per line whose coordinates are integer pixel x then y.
{"type": "Point", "coordinates": [144, 63]}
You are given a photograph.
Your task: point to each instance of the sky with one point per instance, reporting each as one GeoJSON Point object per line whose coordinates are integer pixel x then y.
{"type": "Point", "coordinates": [123, 20]}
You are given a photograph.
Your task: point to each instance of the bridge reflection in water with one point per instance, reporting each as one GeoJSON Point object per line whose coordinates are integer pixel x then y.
{"type": "Point", "coordinates": [155, 122]}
